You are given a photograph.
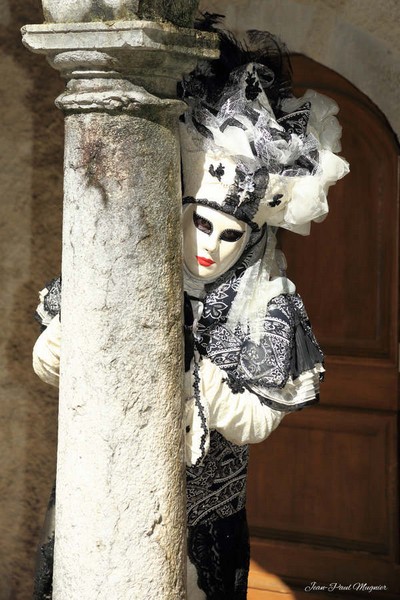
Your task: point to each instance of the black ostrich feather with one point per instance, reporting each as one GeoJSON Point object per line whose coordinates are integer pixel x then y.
{"type": "Point", "coordinates": [208, 80]}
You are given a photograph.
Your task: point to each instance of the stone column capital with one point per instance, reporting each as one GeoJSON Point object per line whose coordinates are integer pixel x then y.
{"type": "Point", "coordinates": [147, 54]}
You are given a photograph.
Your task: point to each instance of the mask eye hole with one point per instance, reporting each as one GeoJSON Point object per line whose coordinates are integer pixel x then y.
{"type": "Point", "coordinates": [202, 224]}
{"type": "Point", "coordinates": [231, 235]}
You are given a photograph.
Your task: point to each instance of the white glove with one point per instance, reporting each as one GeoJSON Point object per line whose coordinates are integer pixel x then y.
{"type": "Point", "coordinates": [241, 418]}
{"type": "Point", "coordinates": [46, 353]}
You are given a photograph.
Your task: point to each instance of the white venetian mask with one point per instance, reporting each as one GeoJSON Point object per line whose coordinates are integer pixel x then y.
{"type": "Point", "coordinates": [212, 241]}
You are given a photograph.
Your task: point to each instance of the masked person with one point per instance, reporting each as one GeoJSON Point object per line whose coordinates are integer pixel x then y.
{"type": "Point", "coordinates": [254, 158]}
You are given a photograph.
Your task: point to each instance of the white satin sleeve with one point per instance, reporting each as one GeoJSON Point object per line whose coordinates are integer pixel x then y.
{"type": "Point", "coordinates": [46, 353]}
{"type": "Point", "coordinates": [240, 417]}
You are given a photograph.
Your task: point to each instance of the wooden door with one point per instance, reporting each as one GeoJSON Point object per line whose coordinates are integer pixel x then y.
{"type": "Point", "coordinates": [323, 490]}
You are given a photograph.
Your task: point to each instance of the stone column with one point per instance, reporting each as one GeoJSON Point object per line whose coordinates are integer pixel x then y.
{"type": "Point", "coordinates": [120, 516]}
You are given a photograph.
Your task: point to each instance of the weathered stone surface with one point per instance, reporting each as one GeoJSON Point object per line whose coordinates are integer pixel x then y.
{"type": "Point", "coordinates": [121, 521]}
{"type": "Point", "coordinates": [75, 11]}
{"type": "Point", "coordinates": [31, 157]}
{"type": "Point", "coordinates": [153, 55]}
{"type": "Point", "coordinates": [120, 503]}
{"type": "Point", "coordinates": [178, 12]}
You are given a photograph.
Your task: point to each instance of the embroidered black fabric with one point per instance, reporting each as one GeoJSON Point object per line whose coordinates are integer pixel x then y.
{"type": "Point", "coordinates": [51, 302]}
{"type": "Point", "coordinates": [216, 488]}
{"type": "Point", "coordinates": [287, 348]}
{"type": "Point", "coordinates": [220, 552]}
{"type": "Point", "coordinates": [43, 580]}
{"type": "Point", "coordinates": [188, 331]}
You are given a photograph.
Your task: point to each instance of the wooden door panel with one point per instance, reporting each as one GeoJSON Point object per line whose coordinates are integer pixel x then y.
{"type": "Point", "coordinates": [329, 488]}
{"type": "Point", "coordinates": [360, 383]}
{"type": "Point", "coordinates": [323, 490]}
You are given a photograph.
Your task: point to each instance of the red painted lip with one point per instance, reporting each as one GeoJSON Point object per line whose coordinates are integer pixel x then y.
{"type": "Point", "coordinates": [205, 262]}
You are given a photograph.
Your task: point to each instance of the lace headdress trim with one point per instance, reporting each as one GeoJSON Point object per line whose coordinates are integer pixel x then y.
{"type": "Point", "coordinates": [254, 150]}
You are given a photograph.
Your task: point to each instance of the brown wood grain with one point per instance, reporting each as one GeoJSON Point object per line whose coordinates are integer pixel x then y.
{"type": "Point", "coordinates": [323, 489]}
{"type": "Point", "coordinates": [332, 463]}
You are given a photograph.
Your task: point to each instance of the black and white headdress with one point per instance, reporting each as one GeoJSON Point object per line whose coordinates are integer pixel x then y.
{"type": "Point", "coordinates": [253, 150]}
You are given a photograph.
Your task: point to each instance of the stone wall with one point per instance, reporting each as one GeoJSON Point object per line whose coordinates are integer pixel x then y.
{"type": "Point", "coordinates": [355, 37]}
{"type": "Point", "coordinates": [31, 150]}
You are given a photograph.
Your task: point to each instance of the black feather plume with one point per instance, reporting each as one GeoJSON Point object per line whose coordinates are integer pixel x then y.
{"type": "Point", "coordinates": [208, 80]}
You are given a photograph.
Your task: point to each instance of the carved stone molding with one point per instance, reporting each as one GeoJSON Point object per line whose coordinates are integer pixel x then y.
{"type": "Point", "coordinates": [151, 55]}
{"type": "Point", "coordinates": [114, 96]}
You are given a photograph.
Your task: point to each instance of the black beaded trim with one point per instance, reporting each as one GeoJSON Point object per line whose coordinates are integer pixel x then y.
{"type": "Point", "coordinates": [283, 408]}
{"type": "Point", "coordinates": [199, 406]}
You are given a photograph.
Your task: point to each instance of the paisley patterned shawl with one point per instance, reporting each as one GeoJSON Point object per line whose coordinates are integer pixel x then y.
{"type": "Point", "coordinates": [286, 349]}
